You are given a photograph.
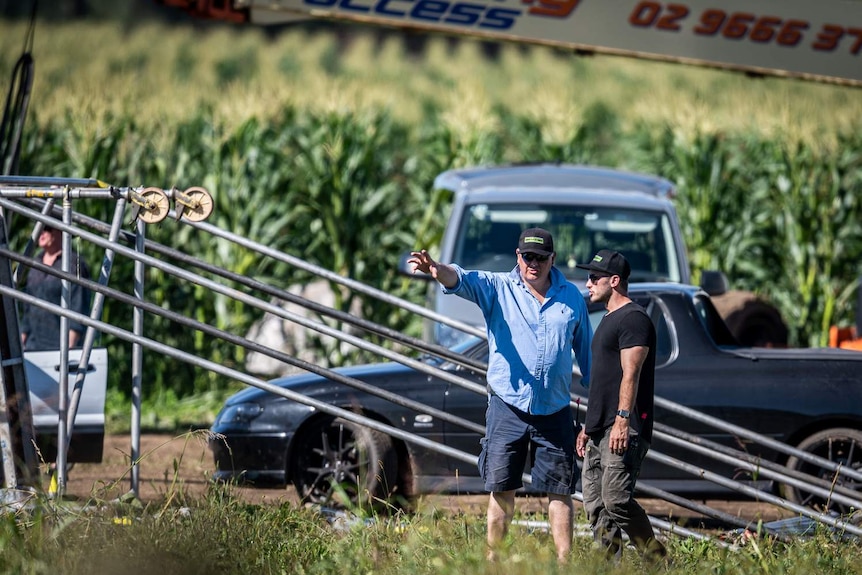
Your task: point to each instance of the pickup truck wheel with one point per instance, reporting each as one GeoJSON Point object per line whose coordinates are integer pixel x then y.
{"type": "Point", "coordinates": [840, 445]}
{"type": "Point", "coordinates": [339, 463]}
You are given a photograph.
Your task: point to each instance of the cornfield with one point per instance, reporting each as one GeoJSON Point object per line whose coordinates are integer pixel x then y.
{"type": "Point", "coordinates": [325, 146]}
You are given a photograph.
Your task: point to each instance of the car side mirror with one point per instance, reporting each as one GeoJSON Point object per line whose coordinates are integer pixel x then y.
{"type": "Point", "coordinates": [405, 269]}
{"type": "Point", "coordinates": [713, 282]}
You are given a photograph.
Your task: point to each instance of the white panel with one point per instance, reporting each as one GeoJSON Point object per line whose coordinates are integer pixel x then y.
{"type": "Point", "coordinates": [798, 38]}
{"type": "Point", "coordinates": [43, 379]}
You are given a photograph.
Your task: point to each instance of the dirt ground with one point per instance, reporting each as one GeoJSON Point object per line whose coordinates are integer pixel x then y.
{"type": "Point", "coordinates": [169, 463]}
{"type": "Point", "coordinates": [174, 462]}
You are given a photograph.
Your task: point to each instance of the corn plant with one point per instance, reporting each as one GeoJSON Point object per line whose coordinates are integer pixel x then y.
{"type": "Point", "coordinates": [818, 224]}
{"type": "Point", "coordinates": [355, 210]}
{"type": "Point", "coordinates": [725, 220]}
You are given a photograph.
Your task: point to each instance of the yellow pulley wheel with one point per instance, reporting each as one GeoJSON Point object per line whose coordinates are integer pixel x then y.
{"type": "Point", "coordinates": [197, 205]}
{"type": "Point", "coordinates": [153, 205]}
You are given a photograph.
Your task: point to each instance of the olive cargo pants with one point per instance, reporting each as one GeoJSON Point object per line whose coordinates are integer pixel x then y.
{"type": "Point", "coordinates": [608, 488]}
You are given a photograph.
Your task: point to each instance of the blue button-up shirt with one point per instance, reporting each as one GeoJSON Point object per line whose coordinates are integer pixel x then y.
{"type": "Point", "coordinates": [530, 342]}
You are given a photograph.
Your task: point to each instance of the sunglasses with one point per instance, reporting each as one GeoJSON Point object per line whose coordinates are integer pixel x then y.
{"type": "Point", "coordinates": [596, 277]}
{"type": "Point", "coordinates": [530, 258]}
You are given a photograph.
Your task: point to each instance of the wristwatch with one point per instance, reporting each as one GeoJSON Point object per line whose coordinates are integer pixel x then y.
{"type": "Point", "coordinates": [624, 413]}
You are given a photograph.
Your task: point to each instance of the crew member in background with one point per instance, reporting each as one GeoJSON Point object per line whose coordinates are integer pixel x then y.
{"type": "Point", "coordinates": [40, 329]}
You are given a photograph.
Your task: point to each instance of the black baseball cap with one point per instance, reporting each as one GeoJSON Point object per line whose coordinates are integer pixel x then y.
{"type": "Point", "coordinates": [536, 241]}
{"type": "Point", "coordinates": [608, 262]}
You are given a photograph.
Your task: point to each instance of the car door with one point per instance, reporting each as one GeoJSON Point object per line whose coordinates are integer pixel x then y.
{"type": "Point", "coordinates": [43, 380]}
{"type": "Point", "coordinates": [691, 370]}
{"type": "Point", "coordinates": [467, 404]}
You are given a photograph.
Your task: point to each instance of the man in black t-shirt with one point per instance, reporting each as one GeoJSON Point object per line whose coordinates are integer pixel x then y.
{"type": "Point", "coordinates": [618, 427]}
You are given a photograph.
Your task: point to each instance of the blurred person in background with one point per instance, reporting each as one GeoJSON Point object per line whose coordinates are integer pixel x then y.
{"type": "Point", "coordinates": [40, 329]}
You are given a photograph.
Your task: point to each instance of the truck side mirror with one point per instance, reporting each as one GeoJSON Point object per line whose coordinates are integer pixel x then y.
{"type": "Point", "coordinates": [405, 269]}
{"type": "Point", "coordinates": [713, 282]}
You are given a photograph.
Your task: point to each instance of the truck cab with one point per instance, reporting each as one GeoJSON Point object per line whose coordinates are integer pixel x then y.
{"type": "Point", "coordinates": [585, 208]}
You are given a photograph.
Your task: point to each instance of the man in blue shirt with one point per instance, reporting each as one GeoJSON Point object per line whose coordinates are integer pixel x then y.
{"type": "Point", "coordinates": [535, 318]}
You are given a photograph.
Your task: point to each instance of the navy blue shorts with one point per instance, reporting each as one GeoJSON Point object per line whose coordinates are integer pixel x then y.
{"type": "Point", "coordinates": [512, 435]}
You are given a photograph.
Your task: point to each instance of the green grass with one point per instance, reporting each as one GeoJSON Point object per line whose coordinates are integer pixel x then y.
{"type": "Point", "coordinates": [218, 533]}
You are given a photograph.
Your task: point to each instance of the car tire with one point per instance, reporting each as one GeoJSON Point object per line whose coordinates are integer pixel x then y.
{"type": "Point", "coordinates": [840, 445]}
{"type": "Point", "coordinates": [339, 463]}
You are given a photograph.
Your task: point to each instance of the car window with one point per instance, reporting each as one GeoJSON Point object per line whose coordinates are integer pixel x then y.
{"type": "Point", "coordinates": [488, 237]}
{"type": "Point", "coordinates": [596, 316]}
{"type": "Point", "coordinates": [665, 350]}
{"type": "Point", "coordinates": [712, 322]}
{"type": "Point", "coordinates": [475, 348]}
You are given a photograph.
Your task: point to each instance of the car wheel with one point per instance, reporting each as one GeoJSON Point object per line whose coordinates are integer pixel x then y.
{"type": "Point", "coordinates": [340, 463]}
{"type": "Point", "coordinates": [840, 445]}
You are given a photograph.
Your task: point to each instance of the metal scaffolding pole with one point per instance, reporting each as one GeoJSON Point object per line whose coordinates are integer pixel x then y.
{"type": "Point", "coordinates": [137, 360]}
{"type": "Point", "coordinates": [149, 205]}
{"type": "Point", "coordinates": [178, 256]}
{"type": "Point", "coordinates": [758, 438]}
{"type": "Point", "coordinates": [95, 313]}
{"type": "Point", "coordinates": [258, 303]}
{"type": "Point", "coordinates": [322, 406]}
{"type": "Point", "coordinates": [65, 300]}
{"type": "Point", "coordinates": [141, 305]}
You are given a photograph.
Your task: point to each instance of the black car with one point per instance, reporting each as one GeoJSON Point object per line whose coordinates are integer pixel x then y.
{"type": "Point", "coordinates": [811, 398]}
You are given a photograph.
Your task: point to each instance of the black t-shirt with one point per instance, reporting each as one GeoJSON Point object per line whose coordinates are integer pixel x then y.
{"type": "Point", "coordinates": [628, 326]}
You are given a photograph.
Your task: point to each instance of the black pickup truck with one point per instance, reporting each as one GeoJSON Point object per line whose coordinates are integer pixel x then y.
{"type": "Point", "coordinates": [810, 398]}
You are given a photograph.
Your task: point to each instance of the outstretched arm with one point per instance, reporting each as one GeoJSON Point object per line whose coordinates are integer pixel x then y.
{"type": "Point", "coordinates": [422, 262]}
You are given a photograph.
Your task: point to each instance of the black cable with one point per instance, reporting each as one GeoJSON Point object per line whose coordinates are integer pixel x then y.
{"type": "Point", "coordinates": [17, 102]}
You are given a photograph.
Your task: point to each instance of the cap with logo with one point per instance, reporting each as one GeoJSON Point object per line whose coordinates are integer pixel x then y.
{"type": "Point", "coordinates": [608, 262]}
{"type": "Point", "coordinates": [536, 241]}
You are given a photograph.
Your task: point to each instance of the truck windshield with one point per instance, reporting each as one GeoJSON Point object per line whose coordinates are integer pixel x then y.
{"type": "Point", "coordinates": [489, 236]}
